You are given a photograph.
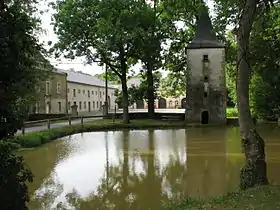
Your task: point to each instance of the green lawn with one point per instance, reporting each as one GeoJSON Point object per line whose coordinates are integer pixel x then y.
{"type": "Point", "coordinates": [35, 139]}
{"type": "Point", "coordinates": [38, 138]}
{"type": "Point", "coordinates": [259, 198]}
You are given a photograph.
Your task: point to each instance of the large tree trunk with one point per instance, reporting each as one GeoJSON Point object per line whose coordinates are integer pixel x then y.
{"type": "Point", "coordinates": [150, 89]}
{"type": "Point", "coordinates": [124, 86]}
{"type": "Point", "coordinates": [150, 68]}
{"type": "Point", "coordinates": [254, 171]}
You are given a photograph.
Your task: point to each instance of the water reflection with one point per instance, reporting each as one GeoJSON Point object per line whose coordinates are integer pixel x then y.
{"type": "Point", "coordinates": [140, 169]}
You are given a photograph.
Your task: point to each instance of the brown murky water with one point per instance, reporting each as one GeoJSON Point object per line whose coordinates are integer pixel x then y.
{"type": "Point", "coordinates": [139, 169]}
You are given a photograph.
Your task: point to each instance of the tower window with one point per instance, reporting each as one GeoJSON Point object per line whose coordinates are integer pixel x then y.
{"type": "Point", "coordinates": [206, 79]}
{"type": "Point", "coordinates": [206, 84]}
{"type": "Point", "coordinates": [205, 58]}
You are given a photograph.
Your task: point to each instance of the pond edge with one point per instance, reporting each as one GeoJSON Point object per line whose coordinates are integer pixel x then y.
{"type": "Point", "coordinates": [35, 139]}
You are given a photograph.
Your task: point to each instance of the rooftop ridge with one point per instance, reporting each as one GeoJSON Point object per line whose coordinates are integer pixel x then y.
{"type": "Point", "coordinates": [84, 78]}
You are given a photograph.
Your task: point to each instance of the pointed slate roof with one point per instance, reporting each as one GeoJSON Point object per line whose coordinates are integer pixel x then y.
{"type": "Point", "coordinates": [205, 36]}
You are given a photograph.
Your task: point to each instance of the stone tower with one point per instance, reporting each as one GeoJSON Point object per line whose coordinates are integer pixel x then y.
{"type": "Point", "coordinates": [206, 85]}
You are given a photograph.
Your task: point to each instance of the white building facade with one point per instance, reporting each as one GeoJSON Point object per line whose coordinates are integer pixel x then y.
{"type": "Point", "coordinates": [88, 93]}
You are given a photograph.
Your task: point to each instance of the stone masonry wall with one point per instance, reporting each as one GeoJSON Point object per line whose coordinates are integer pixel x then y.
{"type": "Point", "coordinates": [215, 102]}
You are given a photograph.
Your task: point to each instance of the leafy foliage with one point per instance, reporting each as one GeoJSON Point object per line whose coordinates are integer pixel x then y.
{"type": "Point", "coordinates": [14, 175]}
{"type": "Point", "coordinates": [106, 32]}
{"type": "Point", "coordinates": [265, 47]}
{"type": "Point", "coordinates": [183, 14]}
{"type": "Point", "coordinates": [174, 84]}
{"type": "Point", "coordinates": [22, 69]}
{"type": "Point", "coordinates": [265, 83]}
{"type": "Point", "coordinates": [112, 77]}
{"type": "Point", "coordinates": [139, 93]}
{"type": "Point", "coordinates": [20, 63]}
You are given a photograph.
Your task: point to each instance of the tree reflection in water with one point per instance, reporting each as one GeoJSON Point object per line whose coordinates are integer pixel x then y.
{"type": "Point", "coordinates": [124, 187]}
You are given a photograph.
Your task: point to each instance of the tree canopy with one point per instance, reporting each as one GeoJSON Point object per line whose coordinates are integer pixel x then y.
{"type": "Point", "coordinates": [21, 71]}
{"type": "Point", "coordinates": [107, 32]}
{"type": "Point", "coordinates": [21, 64]}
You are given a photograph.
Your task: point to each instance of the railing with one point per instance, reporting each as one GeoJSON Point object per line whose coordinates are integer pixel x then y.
{"type": "Point", "coordinates": [49, 122]}
{"type": "Point", "coordinates": [143, 114]}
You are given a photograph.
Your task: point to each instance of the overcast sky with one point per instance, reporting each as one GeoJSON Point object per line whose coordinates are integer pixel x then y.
{"type": "Point", "coordinates": [77, 64]}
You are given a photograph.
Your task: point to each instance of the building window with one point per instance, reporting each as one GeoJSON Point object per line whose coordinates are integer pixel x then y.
{"type": "Point", "coordinates": [85, 104]}
{"type": "Point", "coordinates": [75, 103]}
{"type": "Point", "coordinates": [100, 93]}
{"type": "Point", "coordinates": [80, 105]}
{"type": "Point", "coordinates": [58, 87]}
{"type": "Point", "coordinates": [103, 93]}
{"type": "Point", "coordinates": [84, 92]}
{"type": "Point", "coordinates": [93, 105]}
{"type": "Point", "coordinates": [92, 92]}
{"type": "Point", "coordinates": [88, 92]}
{"type": "Point", "coordinates": [97, 104]}
{"type": "Point", "coordinates": [59, 106]}
{"type": "Point", "coordinates": [69, 105]}
{"type": "Point", "coordinates": [206, 86]}
{"type": "Point", "coordinates": [47, 87]}
{"type": "Point", "coordinates": [37, 107]}
{"type": "Point", "coordinates": [38, 88]}
{"type": "Point", "coordinates": [74, 92]}
{"type": "Point", "coordinates": [100, 104]}
{"type": "Point", "coordinates": [79, 91]}
{"type": "Point", "coordinates": [95, 92]}
{"type": "Point", "coordinates": [205, 58]}
{"type": "Point", "coordinates": [205, 61]}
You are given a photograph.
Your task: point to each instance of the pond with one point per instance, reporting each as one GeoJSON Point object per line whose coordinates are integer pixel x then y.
{"type": "Point", "coordinates": [140, 169]}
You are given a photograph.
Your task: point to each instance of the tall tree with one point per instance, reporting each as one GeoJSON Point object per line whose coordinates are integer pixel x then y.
{"type": "Point", "coordinates": [265, 49]}
{"type": "Point", "coordinates": [21, 63]}
{"type": "Point", "coordinates": [19, 76]}
{"type": "Point", "coordinates": [103, 31]}
{"type": "Point", "coordinates": [152, 36]}
{"type": "Point", "coordinates": [183, 15]}
{"type": "Point", "coordinates": [264, 60]}
{"type": "Point", "coordinates": [243, 14]}
{"type": "Point", "coordinates": [254, 171]}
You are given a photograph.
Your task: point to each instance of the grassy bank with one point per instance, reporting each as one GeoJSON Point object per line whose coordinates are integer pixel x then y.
{"type": "Point", "coordinates": [260, 198]}
{"type": "Point", "coordinates": [35, 139]}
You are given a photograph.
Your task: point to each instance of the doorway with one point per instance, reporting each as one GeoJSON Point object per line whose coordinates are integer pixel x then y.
{"type": "Point", "coordinates": [184, 103]}
{"type": "Point", "coordinates": [162, 103]}
{"type": "Point", "coordinates": [205, 117]}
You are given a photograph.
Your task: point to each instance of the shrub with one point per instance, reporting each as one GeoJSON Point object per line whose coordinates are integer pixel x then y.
{"type": "Point", "coordinates": [232, 112]}
{"type": "Point", "coordinates": [14, 175]}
